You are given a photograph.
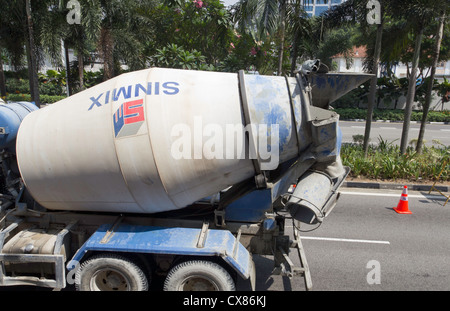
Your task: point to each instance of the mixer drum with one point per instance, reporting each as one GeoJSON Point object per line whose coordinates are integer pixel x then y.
{"type": "Point", "coordinates": [138, 143]}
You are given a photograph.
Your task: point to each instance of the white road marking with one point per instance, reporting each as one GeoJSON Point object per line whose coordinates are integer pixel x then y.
{"type": "Point", "coordinates": [359, 240]}
{"type": "Point", "coordinates": [341, 239]}
{"type": "Point", "coordinates": [420, 196]}
{"type": "Point", "coordinates": [344, 240]}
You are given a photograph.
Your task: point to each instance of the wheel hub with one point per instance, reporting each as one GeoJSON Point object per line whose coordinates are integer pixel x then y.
{"type": "Point", "coordinates": [109, 280]}
{"type": "Point", "coordinates": [196, 283]}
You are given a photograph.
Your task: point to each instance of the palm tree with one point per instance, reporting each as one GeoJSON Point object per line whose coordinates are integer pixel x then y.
{"type": "Point", "coordinates": [355, 12]}
{"type": "Point", "coordinates": [107, 27]}
{"type": "Point", "coordinates": [423, 11]}
{"type": "Point", "coordinates": [110, 28]}
{"type": "Point", "coordinates": [426, 106]}
{"type": "Point", "coordinates": [373, 81]}
{"type": "Point", "coordinates": [122, 34]}
{"type": "Point", "coordinates": [20, 23]}
{"type": "Point", "coordinates": [2, 77]}
{"type": "Point", "coordinates": [53, 29]}
{"type": "Point", "coordinates": [283, 4]}
{"type": "Point", "coordinates": [12, 36]}
{"type": "Point", "coordinates": [411, 91]}
{"type": "Point", "coordinates": [300, 29]}
{"type": "Point", "coordinates": [32, 56]}
{"type": "Point", "coordinates": [262, 19]}
{"type": "Point", "coordinates": [80, 37]}
{"type": "Point", "coordinates": [56, 34]}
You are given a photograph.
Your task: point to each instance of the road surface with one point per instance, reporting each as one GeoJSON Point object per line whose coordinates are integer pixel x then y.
{"type": "Point", "coordinates": [365, 245]}
{"type": "Point", "coordinates": [391, 131]}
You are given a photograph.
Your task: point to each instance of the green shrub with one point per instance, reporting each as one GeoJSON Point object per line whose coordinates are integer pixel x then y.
{"type": "Point", "coordinates": [18, 97]}
{"type": "Point", "coordinates": [45, 99]}
{"type": "Point", "coordinates": [47, 88]}
{"type": "Point", "coordinates": [384, 161]}
{"type": "Point", "coordinates": [17, 86]}
{"type": "Point", "coordinates": [21, 86]}
{"type": "Point", "coordinates": [392, 115]}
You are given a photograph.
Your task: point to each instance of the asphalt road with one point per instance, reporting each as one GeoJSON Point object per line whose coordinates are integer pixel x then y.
{"type": "Point", "coordinates": [392, 131]}
{"type": "Point", "coordinates": [364, 245]}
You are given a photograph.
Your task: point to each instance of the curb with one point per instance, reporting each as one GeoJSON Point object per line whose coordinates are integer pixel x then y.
{"type": "Point", "coordinates": [389, 121]}
{"type": "Point", "coordinates": [393, 186]}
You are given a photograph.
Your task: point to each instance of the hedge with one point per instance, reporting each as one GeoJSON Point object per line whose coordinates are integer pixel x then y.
{"type": "Point", "coordinates": [384, 161]}
{"type": "Point", "coordinates": [45, 99]}
{"type": "Point", "coordinates": [392, 115]}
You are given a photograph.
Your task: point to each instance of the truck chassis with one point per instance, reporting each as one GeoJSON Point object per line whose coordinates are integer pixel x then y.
{"type": "Point", "coordinates": [48, 249]}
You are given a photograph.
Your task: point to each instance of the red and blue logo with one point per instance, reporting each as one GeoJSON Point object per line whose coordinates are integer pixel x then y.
{"type": "Point", "coordinates": [129, 118]}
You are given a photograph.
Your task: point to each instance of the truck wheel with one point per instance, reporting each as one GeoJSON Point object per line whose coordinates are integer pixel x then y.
{"type": "Point", "coordinates": [110, 272]}
{"type": "Point", "coordinates": [198, 275]}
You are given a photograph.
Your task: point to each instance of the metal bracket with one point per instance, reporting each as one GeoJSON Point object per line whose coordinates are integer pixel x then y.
{"type": "Point", "coordinates": [202, 236]}
{"type": "Point", "coordinates": [219, 218]}
{"type": "Point", "coordinates": [5, 232]}
{"type": "Point", "coordinates": [284, 265]}
{"type": "Point", "coordinates": [108, 235]}
{"type": "Point", "coordinates": [301, 255]}
{"type": "Point", "coordinates": [260, 178]}
{"type": "Point", "coordinates": [56, 258]}
{"type": "Point", "coordinates": [291, 102]}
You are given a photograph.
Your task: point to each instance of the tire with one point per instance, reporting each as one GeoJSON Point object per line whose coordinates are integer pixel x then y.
{"type": "Point", "coordinates": [198, 275]}
{"type": "Point", "coordinates": [110, 272]}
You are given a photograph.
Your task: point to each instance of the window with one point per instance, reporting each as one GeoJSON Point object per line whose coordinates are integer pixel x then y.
{"type": "Point", "coordinates": [320, 10]}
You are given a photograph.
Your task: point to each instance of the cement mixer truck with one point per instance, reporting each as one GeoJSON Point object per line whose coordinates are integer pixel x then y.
{"type": "Point", "coordinates": [171, 173]}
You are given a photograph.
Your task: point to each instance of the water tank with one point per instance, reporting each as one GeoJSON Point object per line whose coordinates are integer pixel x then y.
{"type": "Point", "coordinates": [11, 116]}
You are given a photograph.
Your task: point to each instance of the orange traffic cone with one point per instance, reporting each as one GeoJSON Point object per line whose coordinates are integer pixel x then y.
{"type": "Point", "coordinates": [402, 207]}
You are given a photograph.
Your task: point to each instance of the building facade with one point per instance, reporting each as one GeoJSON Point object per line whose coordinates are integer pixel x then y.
{"type": "Point", "coordinates": [317, 7]}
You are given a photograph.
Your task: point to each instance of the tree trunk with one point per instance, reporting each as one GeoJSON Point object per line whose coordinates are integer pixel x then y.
{"type": "Point", "coordinates": [411, 91]}
{"type": "Point", "coordinates": [32, 65]}
{"type": "Point", "coordinates": [373, 88]}
{"type": "Point", "coordinates": [2, 78]}
{"type": "Point", "coordinates": [295, 40]}
{"type": "Point", "coordinates": [294, 53]}
{"type": "Point", "coordinates": [428, 97]}
{"type": "Point", "coordinates": [30, 68]}
{"type": "Point", "coordinates": [81, 70]}
{"type": "Point", "coordinates": [107, 47]}
{"type": "Point", "coordinates": [282, 35]}
{"type": "Point", "coordinates": [67, 63]}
